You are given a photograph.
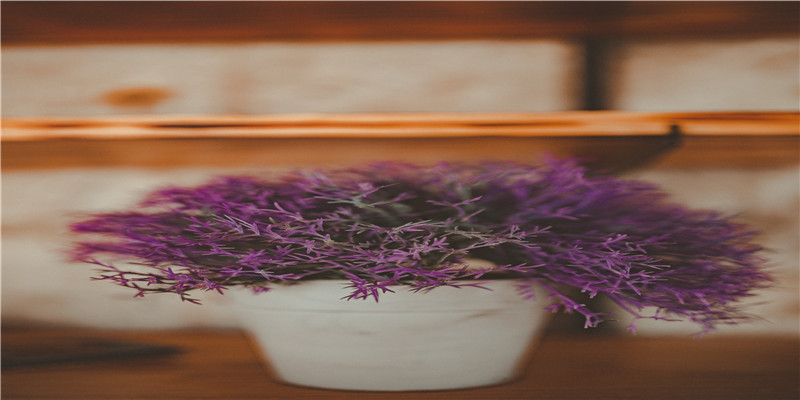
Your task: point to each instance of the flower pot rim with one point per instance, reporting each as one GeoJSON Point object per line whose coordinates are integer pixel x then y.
{"type": "Point", "coordinates": [329, 296]}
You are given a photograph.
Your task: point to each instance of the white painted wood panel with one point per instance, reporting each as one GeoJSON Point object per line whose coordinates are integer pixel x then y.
{"type": "Point", "coordinates": [708, 75]}
{"type": "Point", "coordinates": [471, 76]}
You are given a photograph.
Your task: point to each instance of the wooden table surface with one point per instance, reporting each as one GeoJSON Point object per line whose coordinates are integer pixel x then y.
{"type": "Point", "coordinates": [219, 364]}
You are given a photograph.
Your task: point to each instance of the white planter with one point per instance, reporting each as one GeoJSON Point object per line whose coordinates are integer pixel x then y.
{"type": "Point", "coordinates": [447, 338]}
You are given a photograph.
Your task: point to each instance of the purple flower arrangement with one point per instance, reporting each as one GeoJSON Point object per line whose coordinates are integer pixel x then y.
{"type": "Point", "coordinates": [575, 234]}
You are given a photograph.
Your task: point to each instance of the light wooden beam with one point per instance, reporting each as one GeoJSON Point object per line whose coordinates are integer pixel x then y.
{"type": "Point", "coordinates": [611, 140]}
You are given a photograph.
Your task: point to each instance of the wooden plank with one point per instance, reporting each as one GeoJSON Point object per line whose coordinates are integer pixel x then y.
{"type": "Point", "coordinates": [613, 141]}
{"type": "Point", "coordinates": [225, 364]}
{"type": "Point", "coordinates": [334, 126]}
{"type": "Point", "coordinates": [373, 126]}
{"type": "Point", "coordinates": [32, 22]}
{"type": "Point", "coordinates": [312, 152]}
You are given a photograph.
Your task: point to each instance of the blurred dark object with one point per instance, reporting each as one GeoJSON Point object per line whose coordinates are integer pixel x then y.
{"type": "Point", "coordinates": [36, 22]}
{"type": "Point", "coordinates": [20, 350]}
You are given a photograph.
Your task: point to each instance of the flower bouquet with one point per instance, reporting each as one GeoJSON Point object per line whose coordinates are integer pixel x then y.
{"type": "Point", "coordinates": [388, 227]}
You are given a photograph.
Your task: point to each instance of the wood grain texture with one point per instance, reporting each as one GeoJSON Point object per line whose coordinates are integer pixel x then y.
{"type": "Point", "coordinates": [225, 364]}
{"type": "Point", "coordinates": [610, 140]}
{"type": "Point", "coordinates": [422, 125]}
{"type": "Point", "coordinates": [30, 22]}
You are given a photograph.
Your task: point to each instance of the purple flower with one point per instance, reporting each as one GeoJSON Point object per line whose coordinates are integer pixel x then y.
{"type": "Point", "coordinates": [577, 235]}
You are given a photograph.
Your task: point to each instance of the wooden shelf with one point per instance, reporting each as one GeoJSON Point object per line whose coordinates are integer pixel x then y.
{"type": "Point", "coordinates": [610, 140]}
{"type": "Point", "coordinates": [414, 125]}
{"type": "Point", "coordinates": [224, 365]}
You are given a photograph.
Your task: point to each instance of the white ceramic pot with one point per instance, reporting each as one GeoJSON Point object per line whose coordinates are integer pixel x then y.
{"type": "Point", "coordinates": [447, 338]}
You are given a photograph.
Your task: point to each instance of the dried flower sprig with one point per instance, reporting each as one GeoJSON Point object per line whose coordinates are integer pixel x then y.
{"type": "Point", "coordinates": [393, 224]}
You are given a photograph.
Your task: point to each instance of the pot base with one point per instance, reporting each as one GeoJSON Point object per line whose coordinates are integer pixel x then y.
{"type": "Point", "coordinates": [448, 338]}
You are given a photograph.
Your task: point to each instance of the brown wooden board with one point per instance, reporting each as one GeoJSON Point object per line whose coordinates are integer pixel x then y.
{"type": "Point", "coordinates": [36, 22]}
{"type": "Point", "coordinates": [226, 365]}
{"type": "Point", "coordinates": [609, 140]}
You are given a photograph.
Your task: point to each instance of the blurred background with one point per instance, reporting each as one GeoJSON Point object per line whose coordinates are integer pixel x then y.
{"type": "Point", "coordinates": [90, 59]}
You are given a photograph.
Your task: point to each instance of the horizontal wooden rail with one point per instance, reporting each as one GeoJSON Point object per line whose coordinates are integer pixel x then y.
{"type": "Point", "coordinates": [70, 22]}
{"type": "Point", "coordinates": [571, 124]}
{"type": "Point", "coordinates": [614, 140]}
